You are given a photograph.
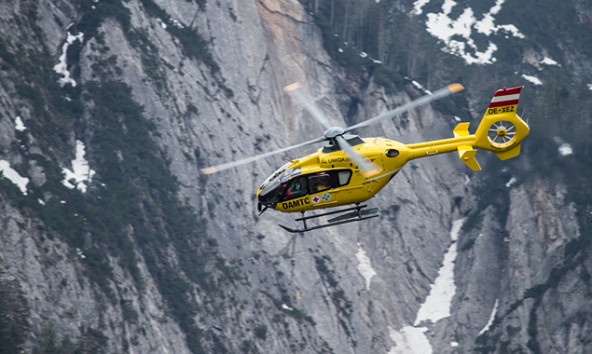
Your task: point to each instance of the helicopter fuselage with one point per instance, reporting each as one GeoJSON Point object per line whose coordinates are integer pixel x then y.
{"type": "Point", "coordinates": [329, 178]}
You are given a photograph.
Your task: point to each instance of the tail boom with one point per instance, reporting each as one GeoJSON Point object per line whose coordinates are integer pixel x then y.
{"type": "Point", "coordinates": [501, 131]}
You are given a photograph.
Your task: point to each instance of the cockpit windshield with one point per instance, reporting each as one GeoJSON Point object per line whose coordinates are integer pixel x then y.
{"type": "Point", "coordinates": [272, 190]}
{"type": "Point", "coordinates": [274, 175]}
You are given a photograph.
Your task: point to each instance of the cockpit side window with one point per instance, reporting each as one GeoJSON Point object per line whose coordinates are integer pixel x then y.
{"type": "Point", "coordinates": [296, 188]}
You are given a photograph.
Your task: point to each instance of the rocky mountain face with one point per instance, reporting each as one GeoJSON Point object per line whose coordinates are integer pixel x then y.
{"type": "Point", "coordinates": [112, 241]}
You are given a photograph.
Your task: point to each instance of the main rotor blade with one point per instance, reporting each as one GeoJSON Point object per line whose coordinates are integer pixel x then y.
{"type": "Point", "coordinates": [367, 167]}
{"type": "Point", "coordinates": [443, 92]}
{"type": "Point", "coordinates": [294, 91]}
{"type": "Point", "coordinates": [225, 166]}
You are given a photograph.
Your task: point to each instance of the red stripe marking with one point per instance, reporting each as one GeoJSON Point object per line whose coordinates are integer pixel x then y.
{"type": "Point", "coordinates": [503, 103]}
{"type": "Point", "coordinates": [508, 91]}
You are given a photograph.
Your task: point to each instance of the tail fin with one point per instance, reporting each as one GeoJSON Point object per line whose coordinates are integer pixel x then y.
{"type": "Point", "coordinates": [501, 129]}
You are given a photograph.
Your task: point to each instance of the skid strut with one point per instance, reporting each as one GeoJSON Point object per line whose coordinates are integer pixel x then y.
{"type": "Point", "coordinates": [343, 216]}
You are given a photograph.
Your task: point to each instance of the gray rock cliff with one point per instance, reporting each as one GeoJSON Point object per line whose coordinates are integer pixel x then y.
{"type": "Point", "coordinates": [113, 241]}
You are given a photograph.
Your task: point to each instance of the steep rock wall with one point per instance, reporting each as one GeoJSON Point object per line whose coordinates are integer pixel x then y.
{"type": "Point", "coordinates": [209, 76]}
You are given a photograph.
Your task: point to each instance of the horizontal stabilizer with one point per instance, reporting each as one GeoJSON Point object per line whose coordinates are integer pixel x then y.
{"type": "Point", "coordinates": [466, 152]}
{"type": "Point", "coordinates": [467, 155]}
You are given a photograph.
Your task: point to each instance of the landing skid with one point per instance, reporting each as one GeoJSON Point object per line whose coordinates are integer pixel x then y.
{"type": "Point", "coordinates": [354, 214]}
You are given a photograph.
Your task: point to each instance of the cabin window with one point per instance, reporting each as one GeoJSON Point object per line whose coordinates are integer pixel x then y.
{"type": "Point", "coordinates": [343, 177]}
{"type": "Point", "coordinates": [326, 180]}
{"type": "Point", "coordinates": [319, 182]}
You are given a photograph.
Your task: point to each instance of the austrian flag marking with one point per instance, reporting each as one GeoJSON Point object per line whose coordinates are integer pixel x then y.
{"type": "Point", "coordinates": [506, 97]}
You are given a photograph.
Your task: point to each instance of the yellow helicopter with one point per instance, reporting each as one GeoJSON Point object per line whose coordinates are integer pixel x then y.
{"type": "Point", "coordinates": [349, 170]}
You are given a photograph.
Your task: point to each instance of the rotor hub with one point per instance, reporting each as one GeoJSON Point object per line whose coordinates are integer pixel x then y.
{"type": "Point", "coordinates": [333, 132]}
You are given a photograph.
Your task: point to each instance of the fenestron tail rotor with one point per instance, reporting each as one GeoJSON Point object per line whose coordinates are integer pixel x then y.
{"type": "Point", "coordinates": [501, 133]}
